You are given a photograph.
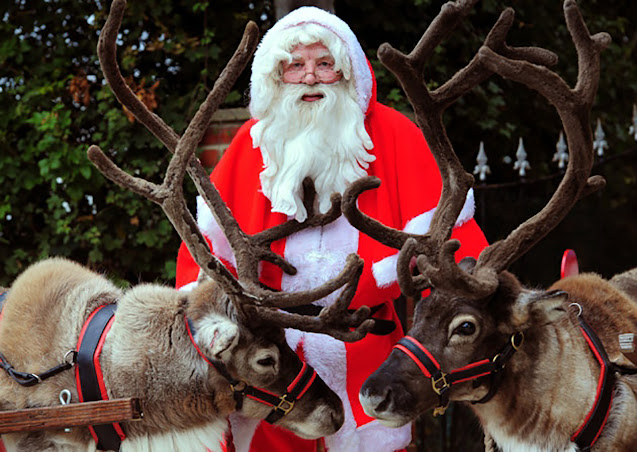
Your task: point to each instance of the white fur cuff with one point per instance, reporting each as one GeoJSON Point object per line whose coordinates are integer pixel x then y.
{"type": "Point", "coordinates": [384, 271]}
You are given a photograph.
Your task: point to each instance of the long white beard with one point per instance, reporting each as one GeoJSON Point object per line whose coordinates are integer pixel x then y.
{"type": "Point", "coordinates": [325, 140]}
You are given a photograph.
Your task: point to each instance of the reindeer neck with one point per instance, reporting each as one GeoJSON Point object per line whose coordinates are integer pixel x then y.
{"type": "Point", "coordinates": [546, 393]}
{"type": "Point", "coordinates": [149, 327]}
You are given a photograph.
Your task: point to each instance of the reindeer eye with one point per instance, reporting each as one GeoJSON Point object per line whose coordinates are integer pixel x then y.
{"type": "Point", "coordinates": [465, 329]}
{"type": "Point", "coordinates": [266, 362]}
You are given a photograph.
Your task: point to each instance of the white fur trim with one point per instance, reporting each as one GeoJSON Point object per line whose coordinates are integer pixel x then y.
{"type": "Point", "coordinates": [309, 14]}
{"type": "Point", "coordinates": [318, 255]}
{"type": "Point", "coordinates": [378, 438]}
{"type": "Point", "coordinates": [200, 438]}
{"type": "Point", "coordinates": [384, 271]}
{"type": "Point", "coordinates": [243, 429]}
{"type": "Point", "coordinates": [211, 229]}
{"type": "Point", "coordinates": [188, 287]}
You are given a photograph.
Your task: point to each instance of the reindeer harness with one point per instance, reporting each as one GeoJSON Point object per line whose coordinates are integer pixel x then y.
{"type": "Point", "coordinates": [441, 382]}
{"type": "Point", "coordinates": [91, 387]}
{"type": "Point", "coordinates": [281, 405]}
{"type": "Point", "coordinates": [594, 422]}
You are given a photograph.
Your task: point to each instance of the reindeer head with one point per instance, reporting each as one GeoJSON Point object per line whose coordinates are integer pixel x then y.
{"type": "Point", "coordinates": [256, 354]}
{"type": "Point", "coordinates": [235, 322]}
{"type": "Point", "coordinates": [476, 316]}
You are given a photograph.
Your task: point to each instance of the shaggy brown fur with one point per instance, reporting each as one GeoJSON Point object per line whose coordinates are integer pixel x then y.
{"type": "Point", "coordinates": [147, 355]}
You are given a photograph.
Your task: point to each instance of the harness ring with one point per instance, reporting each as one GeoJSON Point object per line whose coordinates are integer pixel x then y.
{"type": "Point", "coordinates": [517, 346]}
{"type": "Point", "coordinates": [579, 306]}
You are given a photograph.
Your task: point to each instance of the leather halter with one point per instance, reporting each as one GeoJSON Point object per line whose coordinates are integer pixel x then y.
{"type": "Point", "coordinates": [441, 381]}
{"type": "Point", "coordinates": [281, 405]}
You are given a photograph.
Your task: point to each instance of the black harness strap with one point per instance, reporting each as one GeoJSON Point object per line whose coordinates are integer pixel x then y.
{"type": "Point", "coordinates": [88, 373]}
{"type": "Point", "coordinates": [30, 379]}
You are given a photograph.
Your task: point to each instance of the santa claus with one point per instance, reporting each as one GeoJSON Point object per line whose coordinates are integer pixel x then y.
{"type": "Point", "coordinates": [314, 109]}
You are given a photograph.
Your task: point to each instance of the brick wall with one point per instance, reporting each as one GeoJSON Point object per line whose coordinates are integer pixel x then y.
{"type": "Point", "coordinates": [223, 127]}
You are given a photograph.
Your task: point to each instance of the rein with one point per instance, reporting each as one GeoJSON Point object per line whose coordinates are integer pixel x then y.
{"type": "Point", "coordinates": [281, 405]}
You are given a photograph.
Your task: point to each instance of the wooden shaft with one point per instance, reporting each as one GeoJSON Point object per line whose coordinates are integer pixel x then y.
{"type": "Point", "coordinates": [72, 415]}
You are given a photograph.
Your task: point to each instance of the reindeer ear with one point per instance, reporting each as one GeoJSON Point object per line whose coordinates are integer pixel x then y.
{"type": "Point", "coordinates": [539, 307]}
{"type": "Point", "coordinates": [217, 335]}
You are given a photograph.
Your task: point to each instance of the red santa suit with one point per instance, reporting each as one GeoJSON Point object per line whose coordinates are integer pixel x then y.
{"type": "Point", "coordinates": [406, 200]}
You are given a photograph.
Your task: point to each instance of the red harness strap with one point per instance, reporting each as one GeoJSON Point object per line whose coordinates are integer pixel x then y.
{"type": "Point", "coordinates": [442, 381]}
{"type": "Point", "coordinates": [593, 424]}
{"type": "Point", "coordinates": [88, 373]}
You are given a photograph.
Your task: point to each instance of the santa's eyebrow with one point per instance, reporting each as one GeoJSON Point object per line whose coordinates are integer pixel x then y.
{"type": "Point", "coordinates": [321, 56]}
{"type": "Point", "coordinates": [325, 55]}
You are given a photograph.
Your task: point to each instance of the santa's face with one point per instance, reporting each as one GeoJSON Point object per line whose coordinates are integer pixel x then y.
{"type": "Point", "coordinates": [310, 64]}
{"type": "Point", "coordinates": [313, 128]}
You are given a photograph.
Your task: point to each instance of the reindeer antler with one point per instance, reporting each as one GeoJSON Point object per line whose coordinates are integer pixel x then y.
{"type": "Point", "coordinates": [526, 65]}
{"type": "Point", "coordinates": [247, 294]}
{"type": "Point", "coordinates": [573, 106]}
{"type": "Point", "coordinates": [429, 108]}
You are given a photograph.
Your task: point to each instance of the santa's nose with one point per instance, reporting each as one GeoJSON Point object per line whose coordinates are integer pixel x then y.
{"type": "Point", "coordinates": [309, 79]}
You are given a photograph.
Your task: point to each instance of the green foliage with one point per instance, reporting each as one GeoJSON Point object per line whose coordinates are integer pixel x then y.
{"type": "Point", "coordinates": [54, 103]}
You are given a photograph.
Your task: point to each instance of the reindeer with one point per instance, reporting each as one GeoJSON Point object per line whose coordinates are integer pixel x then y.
{"type": "Point", "coordinates": [191, 358]}
{"type": "Point", "coordinates": [541, 369]}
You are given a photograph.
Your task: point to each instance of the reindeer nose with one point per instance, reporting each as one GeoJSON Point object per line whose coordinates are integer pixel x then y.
{"type": "Point", "coordinates": [386, 400]}
{"type": "Point", "coordinates": [338, 419]}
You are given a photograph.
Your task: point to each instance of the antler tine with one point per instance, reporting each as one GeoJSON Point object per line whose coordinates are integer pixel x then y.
{"type": "Point", "coordinates": [170, 194]}
{"type": "Point", "coordinates": [184, 223]}
{"type": "Point", "coordinates": [429, 108]}
{"type": "Point", "coordinates": [335, 320]}
{"type": "Point", "coordinates": [265, 238]}
{"type": "Point", "coordinates": [245, 291]}
{"type": "Point", "coordinates": [107, 53]}
{"type": "Point", "coordinates": [387, 236]}
{"type": "Point", "coordinates": [573, 107]}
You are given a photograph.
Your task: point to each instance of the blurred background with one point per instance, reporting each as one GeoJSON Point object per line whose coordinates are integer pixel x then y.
{"type": "Point", "coordinates": [54, 103]}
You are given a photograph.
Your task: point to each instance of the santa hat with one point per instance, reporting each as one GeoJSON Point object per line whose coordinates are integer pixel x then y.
{"type": "Point", "coordinates": [268, 56]}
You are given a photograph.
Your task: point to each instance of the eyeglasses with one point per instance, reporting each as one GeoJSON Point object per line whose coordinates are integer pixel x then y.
{"type": "Point", "coordinates": [324, 72]}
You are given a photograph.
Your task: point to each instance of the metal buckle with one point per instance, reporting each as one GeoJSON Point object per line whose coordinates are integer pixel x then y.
{"type": "Point", "coordinates": [516, 347]}
{"type": "Point", "coordinates": [440, 410]}
{"type": "Point", "coordinates": [239, 387]}
{"type": "Point", "coordinates": [36, 376]}
{"type": "Point", "coordinates": [284, 405]}
{"type": "Point", "coordinates": [434, 383]}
